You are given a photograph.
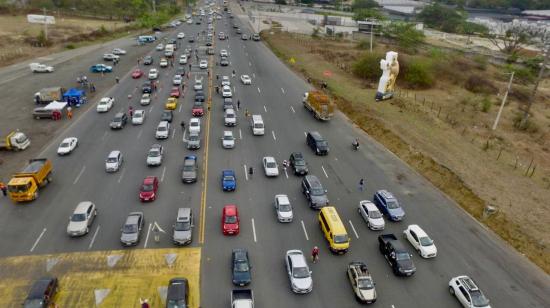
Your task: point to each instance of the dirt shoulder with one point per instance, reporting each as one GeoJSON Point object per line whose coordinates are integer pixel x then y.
{"type": "Point", "coordinates": [442, 134]}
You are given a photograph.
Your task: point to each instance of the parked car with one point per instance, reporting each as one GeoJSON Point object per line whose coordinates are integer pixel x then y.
{"type": "Point", "coordinates": [298, 272]}
{"type": "Point", "coordinates": [42, 293]}
{"type": "Point", "coordinates": [82, 219]}
{"type": "Point", "coordinates": [467, 292]}
{"type": "Point", "coordinates": [371, 215]}
{"type": "Point", "coordinates": [131, 230]}
{"type": "Point", "coordinates": [229, 181]}
{"type": "Point", "coordinates": [241, 268]}
{"type": "Point", "coordinates": [230, 220]}
{"type": "Point", "coordinates": [149, 188]}
{"type": "Point", "coordinates": [420, 241]}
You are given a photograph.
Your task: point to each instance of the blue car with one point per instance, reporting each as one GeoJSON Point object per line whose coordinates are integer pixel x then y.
{"type": "Point", "coordinates": [241, 267]}
{"type": "Point", "coordinates": [388, 205]}
{"type": "Point", "coordinates": [229, 181]}
{"type": "Point", "coordinates": [98, 68]}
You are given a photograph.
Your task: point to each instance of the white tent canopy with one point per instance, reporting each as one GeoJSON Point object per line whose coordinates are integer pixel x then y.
{"type": "Point", "coordinates": [55, 105]}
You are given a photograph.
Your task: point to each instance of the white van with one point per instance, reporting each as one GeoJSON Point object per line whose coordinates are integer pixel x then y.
{"type": "Point", "coordinates": [257, 124]}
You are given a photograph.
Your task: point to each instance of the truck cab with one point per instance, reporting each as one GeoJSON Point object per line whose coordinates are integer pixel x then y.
{"type": "Point", "coordinates": [397, 256]}
{"type": "Point", "coordinates": [243, 298]}
{"type": "Point", "coordinates": [15, 141]}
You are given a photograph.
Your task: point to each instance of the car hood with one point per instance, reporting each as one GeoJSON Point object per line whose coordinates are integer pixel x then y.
{"type": "Point", "coordinates": [428, 250]}
{"type": "Point", "coordinates": [241, 277]}
{"type": "Point", "coordinates": [230, 226]}
{"type": "Point", "coordinates": [302, 283]}
{"type": "Point", "coordinates": [146, 194]}
{"type": "Point", "coordinates": [377, 221]}
{"type": "Point", "coordinates": [406, 265]}
{"type": "Point", "coordinates": [63, 150]}
{"type": "Point", "coordinates": [111, 165]}
{"type": "Point", "coordinates": [368, 294]}
{"type": "Point", "coordinates": [129, 237]}
{"type": "Point", "coordinates": [398, 212]}
{"type": "Point", "coordinates": [301, 168]}
{"type": "Point", "coordinates": [76, 226]}
{"type": "Point", "coordinates": [153, 160]}
{"type": "Point", "coordinates": [188, 174]}
{"type": "Point", "coordinates": [182, 235]}
{"type": "Point", "coordinates": [228, 142]}
{"type": "Point", "coordinates": [228, 184]}
{"type": "Point", "coordinates": [319, 200]}
{"type": "Point", "coordinates": [284, 215]}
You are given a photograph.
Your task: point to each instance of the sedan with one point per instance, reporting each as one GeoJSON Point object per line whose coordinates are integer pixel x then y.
{"type": "Point", "coordinates": [145, 99]}
{"type": "Point", "coordinates": [245, 79]}
{"type": "Point", "coordinates": [195, 125]}
{"type": "Point", "coordinates": [147, 87]}
{"type": "Point", "coordinates": [153, 74]}
{"type": "Point", "coordinates": [226, 91]}
{"type": "Point", "coordinates": [155, 155]}
{"type": "Point", "coordinates": [167, 115]}
{"type": "Point", "coordinates": [110, 57]}
{"type": "Point", "coordinates": [228, 141]}
{"type": "Point", "coordinates": [244, 37]}
{"type": "Point", "coordinates": [229, 181]}
{"type": "Point", "coordinates": [226, 81]}
{"type": "Point", "coordinates": [175, 92]}
{"type": "Point", "coordinates": [105, 104]}
{"type": "Point", "coordinates": [203, 64]}
{"type": "Point", "coordinates": [183, 59]}
{"type": "Point", "coordinates": [131, 230]}
{"type": "Point", "coordinates": [160, 47]}
{"type": "Point", "coordinates": [241, 267]}
{"type": "Point", "coordinates": [298, 272]}
{"type": "Point", "coordinates": [137, 73]}
{"type": "Point", "coordinates": [42, 293]}
{"type": "Point", "coordinates": [82, 219]}
{"type": "Point", "coordinates": [101, 68]}
{"type": "Point", "coordinates": [177, 80]}
{"type": "Point", "coordinates": [181, 35]}
{"type": "Point", "coordinates": [149, 188]}
{"type": "Point", "coordinates": [119, 51]}
{"type": "Point", "coordinates": [171, 103]}
{"type": "Point", "coordinates": [420, 241]}
{"type": "Point", "coordinates": [283, 208]}
{"type": "Point", "coordinates": [198, 109]}
{"type": "Point", "coordinates": [193, 141]}
{"type": "Point", "coordinates": [163, 62]}
{"type": "Point", "coordinates": [67, 146]}
{"type": "Point", "coordinates": [148, 60]}
{"type": "Point", "coordinates": [224, 61]}
{"type": "Point", "coordinates": [270, 166]}
{"type": "Point", "coordinates": [139, 117]}
{"type": "Point", "coordinates": [224, 53]}
{"type": "Point", "coordinates": [230, 220]}
{"type": "Point", "coordinates": [190, 168]}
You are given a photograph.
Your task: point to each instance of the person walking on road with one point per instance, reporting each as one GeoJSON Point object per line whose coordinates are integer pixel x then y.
{"type": "Point", "coordinates": [315, 254]}
{"type": "Point", "coordinates": [117, 79]}
{"type": "Point", "coordinates": [182, 126]}
{"type": "Point", "coordinates": [69, 113]}
{"type": "Point", "coordinates": [131, 111]}
{"type": "Point", "coordinates": [4, 189]}
{"type": "Point", "coordinates": [361, 184]}
{"type": "Point", "coordinates": [238, 105]}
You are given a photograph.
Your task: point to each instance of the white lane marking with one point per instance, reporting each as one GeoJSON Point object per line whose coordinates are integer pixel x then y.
{"type": "Point", "coordinates": [254, 230]}
{"type": "Point", "coordinates": [93, 238]}
{"type": "Point", "coordinates": [273, 133]}
{"type": "Point", "coordinates": [292, 108]}
{"type": "Point", "coordinates": [139, 134]}
{"type": "Point", "coordinates": [259, 91]}
{"type": "Point", "coordinates": [147, 237]}
{"type": "Point", "coordinates": [173, 132]}
{"type": "Point", "coordinates": [265, 108]}
{"type": "Point", "coordinates": [38, 239]}
{"type": "Point", "coordinates": [245, 172]}
{"type": "Point", "coordinates": [305, 134]}
{"type": "Point", "coordinates": [181, 105]}
{"type": "Point", "coordinates": [104, 135]}
{"type": "Point", "coordinates": [324, 171]}
{"type": "Point", "coordinates": [240, 134]}
{"type": "Point", "coordinates": [353, 228]}
{"type": "Point", "coordinates": [283, 90]}
{"type": "Point", "coordinates": [163, 172]}
{"type": "Point", "coordinates": [151, 109]}
{"type": "Point", "coordinates": [253, 75]}
{"type": "Point", "coordinates": [121, 175]}
{"type": "Point", "coordinates": [234, 90]}
{"type": "Point", "coordinates": [249, 63]}
{"type": "Point", "coordinates": [304, 228]}
{"type": "Point", "coordinates": [286, 173]}
{"type": "Point", "coordinates": [79, 175]}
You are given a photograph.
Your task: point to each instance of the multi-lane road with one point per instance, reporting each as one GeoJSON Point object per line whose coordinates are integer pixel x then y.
{"type": "Point", "coordinates": [464, 246]}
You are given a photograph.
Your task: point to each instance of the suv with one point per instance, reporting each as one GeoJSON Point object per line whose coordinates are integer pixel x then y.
{"type": "Point", "coordinates": [314, 192]}
{"type": "Point", "coordinates": [131, 231]}
{"type": "Point", "coordinates": [41, 293]}
{"type": "Point", "coordinates": [113, 161]}
{"type": "Point", "coordinates": [388, 205]}
{"type": "Point", "coordinates": [298, 272]}
{"type": "Point", "coordinates": [298, 163]}
{"type": "Point", "coordinates": [467, 292]}
{"type": "Point", "coordinates": [42, 113]}
{"type": "Point", "coordinates": [183, 228]}
{"type": "Point", "coordinates": [119, 121]}
{"type": "Point", "coordinates": [178, 293]}
{"type": "Point", "coordinates": [317, 143]}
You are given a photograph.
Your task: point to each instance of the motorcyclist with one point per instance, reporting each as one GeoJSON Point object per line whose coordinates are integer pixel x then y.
{"type": "Point", "coordinates": [355, 144]}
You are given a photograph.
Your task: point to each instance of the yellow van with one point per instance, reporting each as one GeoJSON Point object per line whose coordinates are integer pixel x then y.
{"type": "Point", "coordinates": [334, 230]}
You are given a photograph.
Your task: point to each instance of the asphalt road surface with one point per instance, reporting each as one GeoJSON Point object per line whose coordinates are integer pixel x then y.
{"type": "Point", "coordinates": [464, 246]}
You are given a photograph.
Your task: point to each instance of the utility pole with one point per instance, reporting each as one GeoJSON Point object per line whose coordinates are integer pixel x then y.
{"type": "Point", "coordinates": [503, 101]}
{"type": "Point", "coordinates": [45, 25]}
{"type": "Point", "coordinates": [534, 92]}
{"type": "Point", "coordinates": [371, 31]}
{"type": "Point", "coordinates": [154, 5]}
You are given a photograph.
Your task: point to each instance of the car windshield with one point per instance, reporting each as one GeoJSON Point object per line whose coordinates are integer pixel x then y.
{"type": "Point", "coordinates": [299, 163]}
{"type": "Point", "coordinates": [228, 178]}
{"type": "Point", "coordinates": [271, 165]}
{"type": "Point", "coordinates": [426, 241]}
{"type": "Point", "coordinates": [117, 119]}
{"type": "Point", "coordinates": [182, 226]}
{"type": "Point", "coordinates": [241, 266]}
{"type": "Point", "coordinates": [230, 219]}
{"type": "Point", "coordinates": [393, 205]}
{"type": "Point", "coordinates": [147, 187]}
{"type": "Point", "coordinates": [227, 137]}
{"type": "Point", "coordinates": [174, 303]}
{"type": "Point", "coordinates": [322, 143]}
{"type": "Point", "coordinates": [402, 256]}
{"type": "Point", "coordinates": [65, 145]}
{"type": "Point", "coordinates": [375, 214]}
{"type": "Point", "coordinates": [478, 299]}
{"type": "Point", "coordinates": [340, 239]}
{"type": "Point", "coordinates": [365, 284]}
{"type": "Point", "coordinates": [194, 124]}
{"type": "Point", "coordinates": [154, 153]}
{"type": "Point", "coordinates": [258, 125]}
{"type": "Point", "coordinates": [166, 114]}
{"type": "Point", "coordinates": [103, 103]}
{"type": "Point", "coordinates": [231, 116]}
{"type": "Point", "coordinates": [138, 115]}
{"type": "Point", "coordinates": [300, 272]}
{"type": "Point", "coordinates": [112, 160]}
{"type": "Point", "coordinates": [188, 168]}
{"type": "Point", "coordinates": [285, 207]}
{"type": "Point", "coordinates": [193, 137]}
{"type": "Point", "coordinates": [78, 217]}
{"type": "Point", "coordinates": [162, 128]}
{"type": "Point", "coordinates": [130, 228]}
{"type": "Point", "coordinates": [317, 191]}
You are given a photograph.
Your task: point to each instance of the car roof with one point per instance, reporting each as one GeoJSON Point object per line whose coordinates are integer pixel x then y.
{"type": "Point", "coordinates": [149, 180]}
{"type": "Point", "coordinates": [417, 230]}
{"type": "Point", "coordinates": [297, 258]}
{"type": "Point", "coordinates": [283, 199]}
{"type": "Point", "coordinates": [39, 287]}
{"type": "Point", "coordinates": [114, 153]}
{"type": "Point", "coordinates": [139, 111]}
{"type": "Point", "coordinates": [119, 114]}
{"type": "Point", "coordinates": [82, 207]}
{"type": "Point", "coordinates": [316, 135]}
{"type": "Point", "coordinates": [313, 180]}
{"type": "Point", "coordinates": [240, 253]}
{"type": "Point", "coordinates": [134, 215]}
{"type": "Point", "coordinates": [68, 139]}
{"type": "Point", "coordinates": [297, 155]}
{"type": "Point", "coordinates": [369, 205]}
{"type": "Point", "coordinates": [386, 194]}
{"type": "Point", "coordinates": [230, 209]}
{"type": "Point", "coordinates": [269, 158]}
{"type": "Point", "coordinates": [184, 214]}
{"type": "Point", "coordinates": [163, 123]}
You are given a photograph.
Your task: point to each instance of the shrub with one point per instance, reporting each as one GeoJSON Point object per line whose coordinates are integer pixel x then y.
{"type": "Point", "coordinates": [486, 104]}
{"type": "Point", "coordinates": [418, 74]}
{"type": "Point", "coordinates": [522, 74]}
{"type": "Point", "coordinates": [70, 46]}
{"type": "Point", "coordinates": [481, 62]}
{"type": "Point", "coordinates": [41, 39]}
{"type": "Point", "coordinates": [368, 66]}
{"type": "Point", "coordinates": [364, 44]}
{"type": "Point", "coordinates": [479, 84]}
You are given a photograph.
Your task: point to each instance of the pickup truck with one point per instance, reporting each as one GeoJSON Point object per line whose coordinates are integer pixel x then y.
{"type": "Point", "coordinates": [24, 185]}
{"type": "Point", "coordinates": [48, 95]}
{"type": "Point", "coordinates": [361, 282]}
{"type": "Point", "coordinates": [14, 141]}
{"type": "Point", "coordinates": [40, 68]}
{"type": "Point", "coordinates": [397, 256]}
{"type": "Point", "coordinates": [242, 298]}
{"type": "Point", "coordinates": [319, 104]}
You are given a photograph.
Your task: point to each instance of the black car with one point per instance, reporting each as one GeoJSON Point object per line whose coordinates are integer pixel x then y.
{"type": "Point", "coordinates": [240, 267]}
{"type": "Point", "coordinates": [235, 26]}
{"type": "Point", "coordinates": [41, 293]}
{"type": "Point", "coordinates": [180, 71]}
{"type": "Point", "coordinates": [172, 41]}
{"type": "Point", "coordinates": [119, 121]}
{"type": "Point", "coordinates": [199, 96]}
{"type": "Point", "coordinates": [147, 87]}
{"type": "Point", "coordinates": [314, 192]}
{"type": "Point", "coordinates": [209, 43]}
{"type": "Point", "coordinates": [298, 163]}
{"type": "Point", "coordinates": [177, 295]}
{"type": "Point", "coordinates": [167, 115]}
{"type": "Point", "coordinates": [191, 39]}
{"type": "Point", "coordinates": [317, 143]}
{"type": "Point", "coordinates": [224, 61]}
{"type": "Point", "coordinates": [398, 257]}
{"type": "Point", "coordinates": [148, 60]}
{"type": "Point", "coordinates": [239, 31]}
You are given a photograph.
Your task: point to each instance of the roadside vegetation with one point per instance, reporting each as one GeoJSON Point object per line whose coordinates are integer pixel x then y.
{"type": "Point", "coordinates": [440, 120]}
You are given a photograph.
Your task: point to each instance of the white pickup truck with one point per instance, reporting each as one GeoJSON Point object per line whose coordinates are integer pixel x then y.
{"type": "Point", "coordinates": [40, 68]}
{"type": "Point", "coordinates": [242, 298]}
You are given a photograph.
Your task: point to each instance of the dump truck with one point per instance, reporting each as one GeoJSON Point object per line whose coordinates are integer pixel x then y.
{"type": "Point", "coordinates": [319, 104]}
{"type": "Point", "coordinates": [14, 141]}
{"type": "Point", "coordinates": [242, 298]}
{"type": "Point", "coordinates": [48, 95]}
{"type": "Point", "coordinates": [25, 184]}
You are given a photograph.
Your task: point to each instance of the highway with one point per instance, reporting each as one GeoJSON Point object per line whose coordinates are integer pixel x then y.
{"type": "Point", "coordinates": [464, 246]}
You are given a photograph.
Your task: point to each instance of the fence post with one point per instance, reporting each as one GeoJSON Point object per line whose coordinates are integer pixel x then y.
{"type": "Point", "coordinates": [439, 112]}
{"type": "Point", "coordinates": [516, 164]}
{"type": "Point", "coordinates": [499, 152]}
{"type": "Point", "coordinates": [530, 163]}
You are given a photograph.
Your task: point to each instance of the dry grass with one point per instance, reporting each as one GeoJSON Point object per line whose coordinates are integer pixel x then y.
{"type": "Point", "coordinates": [448, 139]}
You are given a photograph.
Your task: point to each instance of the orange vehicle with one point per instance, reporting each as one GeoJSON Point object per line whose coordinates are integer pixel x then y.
{"type": "Point", "coordinates": [25, 184]}
{"type": "Point", "coordinates": [319, 104]}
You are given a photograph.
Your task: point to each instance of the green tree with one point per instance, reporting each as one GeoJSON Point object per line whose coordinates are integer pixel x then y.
{"type": "Point", "coordinates": [407, 37]}
{"type": "Point", "coordinates": [442, 18]}
{"type": "Point", "coordinates": [362, 14]}
{"type": "Point", "coordinates": [363, 4]}
{"type": "Point", "coordinates": [280, 2]}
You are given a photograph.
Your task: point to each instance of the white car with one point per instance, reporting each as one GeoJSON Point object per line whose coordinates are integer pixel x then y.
{"type": "Point", "coordinates": [226, 81]}
{"type": "Point", "coordinates": [298, 272]}
{"type": "Point", "coordinates": [154, 157]}
{"type": "Point", "coordinates": [189, 21]}
{"type": "Point", "coordinates": [228, 141]}
{"type": "Point", "coordinates": [270, 166]}
{"type": "Point", "coordinates": [177, 80]}
{"type": "Point", "coordinates": [195, 125]}
{"type": "Point", "coordinates": [105, 104]}
{"type": "Point", "coordinates": [113, 161]}
{"type": "Point", "coordinates": [420, 241]}
{"type": "Point", "coordinates": [246, 79]}
{"type": "Point", "coordinates": [181, 35]}
{"type": "Point", "coordinates": [163, 62]}
{"type": "Point", "coordinates": [226, 91]}
{"type": "Point", "coordinates": [230, 118]}
{"type": "Point", "coordinates": [372, 216]}
{"type": "Point", "coordinates": [283, 208]}
{"type": "Point", "coordinates": [82, 219]}
{"type": "Point", "coordinates": [183, 59]}
{"type": "Point", "coordinates": [468, 293]}
{"type": "Point", "coordinates": [163, 130]}
{"type": "Point", "coordinates": [145, 99]}
{"type": "Point", "coordinates": [153, 74]}
{"type": "Point", "coordinates": [139, 117]}
{"type": "Point", "coordinates": [224, 53]}
{"type": "Point", "coordinates": [203, 64]}
{"type": "Point", "coordinates": [67, 146]}
{"type": "Point", "coordinates": [160, 47]}
{"type": "Point", "coordinates": [40, 68]}
{"type": "Point", "coordinates": [110, 57]}
{"type": "Point", "coordinates": [198, 85]}
{"type": "Point", "coordinates": [119, 51]}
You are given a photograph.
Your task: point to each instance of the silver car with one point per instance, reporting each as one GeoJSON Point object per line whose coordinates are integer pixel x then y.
{"type": "Point", "coordinates": [138, 117]}
{"type": "Point", "coordinates": [183, 228]}
{"type": "Point", "coordinates": [371, 215]}
{"type": "Point", "coordinates": [298, 272]}
{"type": "Point", "coordinates": [154, 157]}
{"type": "Point", "coordinates": [145, 99]}
{"type": "Point", "coordinates": [193, 141]}
{"type": "Point", "coordinates": [82, 219]}
{"type": "Point", "coordinates": [228, 141]}
{"type": "Point", "coordinates": [189, 172]}
{"type": "Point", "coordinates": [113, 161]}
{"type": "Point", "coordinates": [283, 208]}
{"type": "Point", "coordinates": [131, 230]}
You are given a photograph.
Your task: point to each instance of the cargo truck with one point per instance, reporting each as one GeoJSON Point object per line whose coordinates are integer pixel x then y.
{"type": "Point", "coordinates": [319, 104]}
{"type": "Point", "coordinates": [14, 141]}
{"type": "Point", "coordinates": [48, 95]}
{"type": "Point", "coordinates": [242, 298]}
{"type": "Point", "coordinates": [25, 184]}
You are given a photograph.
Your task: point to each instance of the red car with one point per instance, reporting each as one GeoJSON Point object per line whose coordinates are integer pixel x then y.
{"type": "Point", "coordinates": [230, 220]}
{"type": "Point", "coordinates": [149, 188]}
{"type": "Point", "coordinates": [137, 73]}
{"type": "Point", "coordinates": [175, 92]}
{"type": "Point", "coordinates": [198, 109]}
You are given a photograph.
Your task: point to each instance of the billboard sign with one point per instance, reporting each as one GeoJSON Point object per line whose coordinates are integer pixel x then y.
{"type": "Point", "coordinates": [40, 19]}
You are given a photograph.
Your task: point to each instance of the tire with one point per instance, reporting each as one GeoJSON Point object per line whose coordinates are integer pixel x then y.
{"type": "Point", "coordinates": [451, 290]}
{"type": "Point", "coordinates": [87, 230]}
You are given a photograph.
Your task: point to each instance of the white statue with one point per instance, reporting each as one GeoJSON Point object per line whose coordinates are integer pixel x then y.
{"type": "Point", "coordinates": [390, 70]}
